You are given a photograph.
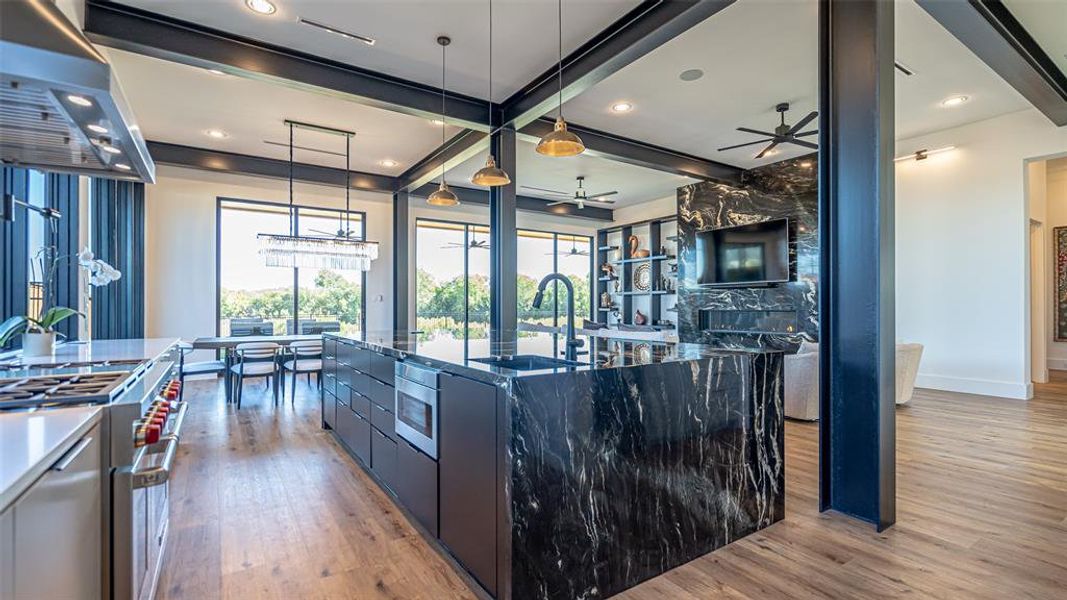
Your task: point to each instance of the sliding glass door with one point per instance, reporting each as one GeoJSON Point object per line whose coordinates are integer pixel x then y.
{"type": "Point", "coordinates": [254, 299]}
{"type": "Point", "coordinates": [452, 283]}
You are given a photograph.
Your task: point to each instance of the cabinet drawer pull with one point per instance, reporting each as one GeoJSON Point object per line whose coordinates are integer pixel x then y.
{"type": "Point", "coordinates": [72, 454]}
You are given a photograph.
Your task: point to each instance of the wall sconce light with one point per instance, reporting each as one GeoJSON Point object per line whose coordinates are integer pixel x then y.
{"type": "Point", "coordinates": [923, 154]}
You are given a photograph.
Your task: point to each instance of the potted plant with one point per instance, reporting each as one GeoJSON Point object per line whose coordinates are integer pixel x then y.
{"type": "Point", "coordinates": [38, 335]}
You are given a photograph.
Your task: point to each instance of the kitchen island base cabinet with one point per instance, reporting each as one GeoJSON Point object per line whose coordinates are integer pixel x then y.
{"type": "Point", "coordinates": [383, 458]}
{"type": "Point", "coordinates": [416, 484]}
{"type": "Point", "coordinates": [354, 431]}
{"type": "Point", "coordinates": [468, 475]}
{"type": "Point", "coordinates": [329, 410]}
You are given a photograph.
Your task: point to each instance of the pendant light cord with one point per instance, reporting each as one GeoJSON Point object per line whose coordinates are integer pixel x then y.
{"type": "Point", "coordinates": [490, 70]}
{"type": "Point", "coordinates": [292, 216]}
{"type": "Point", "coordinates": [559, 13]}
{"type": "Point", "coordinates": [348, 185]}
{"type": "Point", "coordinates": [443, 46]}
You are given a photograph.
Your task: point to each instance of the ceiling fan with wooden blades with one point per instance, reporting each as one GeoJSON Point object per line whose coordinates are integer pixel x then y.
{"type": "Point", "coordinates": [574, 251]}
{"type": "Point", "coordinates": [580, 197]}
{"type": "Point", "coordinates": [783, 133]}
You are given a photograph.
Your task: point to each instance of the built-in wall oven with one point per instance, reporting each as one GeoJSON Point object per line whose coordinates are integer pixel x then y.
{"type": "Point", "coordinates": [416, 406]}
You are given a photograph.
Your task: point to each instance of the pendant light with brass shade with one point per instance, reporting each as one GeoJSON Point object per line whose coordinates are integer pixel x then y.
{"type": "Point", "coordinates": [491, 175]}
{"type": "Point", "coordinates": [560, 142]}
{"type": "Point", "coordinates": [443, 196]}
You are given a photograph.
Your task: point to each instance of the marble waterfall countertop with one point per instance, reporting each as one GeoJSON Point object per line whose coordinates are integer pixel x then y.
{"type": "Point", "coordinates": [645, 457]}
{"type": "Point", "coordinates": [30, 442]}
{"type": "Point", "coordinates": [458, 356]}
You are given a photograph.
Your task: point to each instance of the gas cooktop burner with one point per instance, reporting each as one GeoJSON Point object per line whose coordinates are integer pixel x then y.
{"type": "Point", "coordinates": [20, 364]}
{"type": "Point", "coordinates": [40, 391]}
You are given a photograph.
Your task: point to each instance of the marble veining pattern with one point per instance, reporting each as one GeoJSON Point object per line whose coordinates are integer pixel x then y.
{"type": "Point", "coordinates": [783, 189]}
{"type": "Point", "coordinates": [618, 475]}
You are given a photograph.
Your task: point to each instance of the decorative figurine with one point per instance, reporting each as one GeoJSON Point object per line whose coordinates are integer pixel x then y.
{"type": "Point", "coordinates": [640, 318]}
{"type": "Point", "coordinates": [618, 285]}
{"type": "Point", "coordinates": [609, 270]}
{"type": "Point", "coordinates": [634, 252]}
{"type": "Point", "coordinates": [605, 300]}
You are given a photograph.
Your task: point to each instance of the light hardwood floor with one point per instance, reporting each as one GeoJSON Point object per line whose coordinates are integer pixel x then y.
{"type": "Point", "coordinates": [266, 505]}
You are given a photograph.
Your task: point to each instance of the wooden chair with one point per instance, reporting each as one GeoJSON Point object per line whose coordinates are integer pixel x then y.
{"type": "Point", "coordinates": [306, 358]}
{"type": "Point", "coordinates": [256, 359]}
{"type": "Point", "coordinates": [204, 367]}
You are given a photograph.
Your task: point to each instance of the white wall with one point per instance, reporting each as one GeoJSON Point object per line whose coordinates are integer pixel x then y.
{"type": "Point", "coordinates": [653, 209]}
{"type": "Point", "coordinates": [180, 245]}
{"type": "Point", "coordinates": [1055, 196]}
{"type": "Point", "coordinates": [962, 246]}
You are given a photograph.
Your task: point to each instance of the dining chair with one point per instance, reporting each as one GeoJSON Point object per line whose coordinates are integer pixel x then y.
{"type": "Point", "coordinates": [203, 367]}
{"type": "Point", "coordinates": [306, 358]}
{"type": "Point", "coordinates": [256, 359]}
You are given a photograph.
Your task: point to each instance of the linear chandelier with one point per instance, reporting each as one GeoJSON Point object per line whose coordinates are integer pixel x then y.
{"type": "Point", "coordinates": [340, 252]}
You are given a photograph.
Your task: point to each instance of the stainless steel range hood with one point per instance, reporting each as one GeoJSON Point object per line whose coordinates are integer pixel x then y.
{"type": "Point", "coordinates": [61, 108]}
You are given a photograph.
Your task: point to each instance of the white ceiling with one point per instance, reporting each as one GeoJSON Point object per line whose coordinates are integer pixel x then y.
{"type": "Point", "coordinates": [525, 34]}
{"type": "Point", "coordinates": [634, 184]}
{"type": "Point", "coordinates": [1046, 21]}
{"type": "Point", "coordinates": [757, 53]}
{"type": "Point", "coordinates": [176, 103]}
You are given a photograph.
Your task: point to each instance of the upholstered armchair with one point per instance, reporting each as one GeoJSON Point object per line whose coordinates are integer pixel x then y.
{"type": "Point", "coordinates": [802, 379]}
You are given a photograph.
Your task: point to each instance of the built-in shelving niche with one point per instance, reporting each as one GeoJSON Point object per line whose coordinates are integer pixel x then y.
{"type": "Point", "coordinates": [660, 237]}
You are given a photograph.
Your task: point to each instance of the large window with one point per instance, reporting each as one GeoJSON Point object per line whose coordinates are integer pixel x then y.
{"type": "Point", "coordinates": [255, 299]}
{"type": "Point", "coordinates": [452, 284]}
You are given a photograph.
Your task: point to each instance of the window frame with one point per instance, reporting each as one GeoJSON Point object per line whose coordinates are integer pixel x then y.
{"type": "Point", "coordinates": [219, 207]}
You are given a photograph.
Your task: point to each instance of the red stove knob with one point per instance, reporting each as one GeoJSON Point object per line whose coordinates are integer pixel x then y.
{"type": "Point", "coordinates": [152, 433]}
{"type": "Point", "coordinates": [171, 393]}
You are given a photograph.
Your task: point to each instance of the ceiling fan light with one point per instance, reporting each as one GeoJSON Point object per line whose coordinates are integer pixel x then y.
{"type": "Point", "coordinates": [442, 197]}
{"type": "Point", "coordinates": [560, 142]}
{"type": "Point", "coordinates": [490, 175]}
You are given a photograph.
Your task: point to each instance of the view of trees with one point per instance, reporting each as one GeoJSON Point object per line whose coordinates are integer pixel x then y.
{"type": "Point", "coordinates": [332, 298]}
{"type": "Point", "coordinates": [440, 303]}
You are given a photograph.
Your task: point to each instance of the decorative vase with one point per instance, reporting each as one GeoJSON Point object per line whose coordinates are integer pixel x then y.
{"type": "Point", "coordinates": [39, 344]}
{"type": "Point", "coordinates": [640, 318]}
{"type": "Point", "coordinates": [605, 300]}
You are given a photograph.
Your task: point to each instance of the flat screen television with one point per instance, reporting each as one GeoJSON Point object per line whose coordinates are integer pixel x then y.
{"type": "Point", "coordinates": [753, 254]}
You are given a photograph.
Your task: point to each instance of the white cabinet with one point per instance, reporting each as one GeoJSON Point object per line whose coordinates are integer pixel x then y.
{"type": "Point", "coordinates": [55, 530]}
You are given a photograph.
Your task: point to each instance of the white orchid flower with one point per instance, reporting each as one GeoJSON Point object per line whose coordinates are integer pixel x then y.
{"type": "Point", "coordinates": [85, 257]}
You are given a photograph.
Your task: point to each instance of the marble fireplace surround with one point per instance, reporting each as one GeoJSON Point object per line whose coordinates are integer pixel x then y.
{"type": "Point", "coordinates": [776, 316]}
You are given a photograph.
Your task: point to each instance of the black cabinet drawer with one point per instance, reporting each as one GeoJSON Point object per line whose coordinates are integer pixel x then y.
{"type": "Point", "coordinates": [360, 404]}
{"type": "Point", "coordinates": [355, 432]}
{"type": "Point", "coordinates": [416, 484]}
{"type": "Point", "coordinates": [343, 396]}
{"type": "Point", "coordinates": [361, 359]}
{"type": "Point", "coordinates": [343, 353]}
{"type": "Point", "coordinates": [381, 394]}
{"type": "Point", "coordinates": [359, 382]}
{"type": "Point", "coordinates": [329, 410]}
{"type": "Point", "coordinates": [383, 458]}
{"type": "Point", "coordinates": [329, 382]}
{"type": "Point", "coordinates": [383, 420]}
{"type": "Point", "coordinates": [382, 368]}
{"type": "Point", "coordinates": [329, 348]}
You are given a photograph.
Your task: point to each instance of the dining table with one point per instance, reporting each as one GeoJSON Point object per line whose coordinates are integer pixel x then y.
{"type": "Point", "coordinates": [227, 343]}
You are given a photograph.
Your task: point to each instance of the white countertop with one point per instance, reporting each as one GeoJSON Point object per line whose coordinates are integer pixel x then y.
{"type": "Point", "coordinates": [105, 350]}
{"type": "Point", "coordinates": [31, 442]}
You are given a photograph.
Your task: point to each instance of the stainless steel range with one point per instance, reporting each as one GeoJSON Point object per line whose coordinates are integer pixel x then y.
{"type": "Point", "coordinates": [141, 422]}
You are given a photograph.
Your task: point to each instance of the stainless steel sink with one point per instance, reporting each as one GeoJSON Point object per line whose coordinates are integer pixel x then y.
{"type": "Point", "coordinates": [527, 362]}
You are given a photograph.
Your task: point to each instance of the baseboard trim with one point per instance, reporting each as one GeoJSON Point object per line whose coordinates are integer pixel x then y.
{"type": "Point", "coordinates": [1057, 364]}
{"type": "Point", "coordinates": [984, 387]}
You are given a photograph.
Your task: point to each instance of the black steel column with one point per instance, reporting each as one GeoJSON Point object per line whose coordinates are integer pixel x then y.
{"type": "Point", "coordinates": [857, 359]}
{"type": "Point", "coordinates": [503, 244]}
{"type": "Point", "coordinates": [401, 263]}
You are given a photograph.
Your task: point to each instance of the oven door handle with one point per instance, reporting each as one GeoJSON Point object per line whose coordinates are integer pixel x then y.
{"type": "Point", "coordinates": [159, 472]}
{"type": "Point", "coordinates": [179, 419]}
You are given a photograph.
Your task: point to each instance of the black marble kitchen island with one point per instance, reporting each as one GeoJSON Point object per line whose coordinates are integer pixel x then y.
{"type": "Point", "coordinates": [607, 474]}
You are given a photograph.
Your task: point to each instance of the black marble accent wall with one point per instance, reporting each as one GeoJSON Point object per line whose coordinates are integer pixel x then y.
{"type": "Point", "coordinates": [776, 316]}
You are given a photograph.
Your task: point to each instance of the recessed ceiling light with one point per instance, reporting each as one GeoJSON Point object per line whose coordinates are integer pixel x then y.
{"type": "Point", "coordinates": [122, 166]}
{"type": "Point", "coordinates": [954, 101]}
{"type": "Point", "coordinates": [621, 107]}
{"type": "Point", "coordinates": [388, 163]}
{"type": "Point", "coordinates": [437, 122]}
{"type": "Point", "coordinates": [110, 149]}
{"type": "Point", "coordinates": [97, 128]}
{"type": "Point", "coordinates": [79, 100]}
{"type": "Point", "coordinates": [806, 164]}
{"type": "Point", "coordinates": [263, 7]}
{"type": "Point", "coordinates": [218, 134]}
{"type": "Point", "coordinates": [216, 72]}
{"type": "Point", "coordinates": [691, 75]}
{"type": "Point", "coordinates": [770, 153]}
